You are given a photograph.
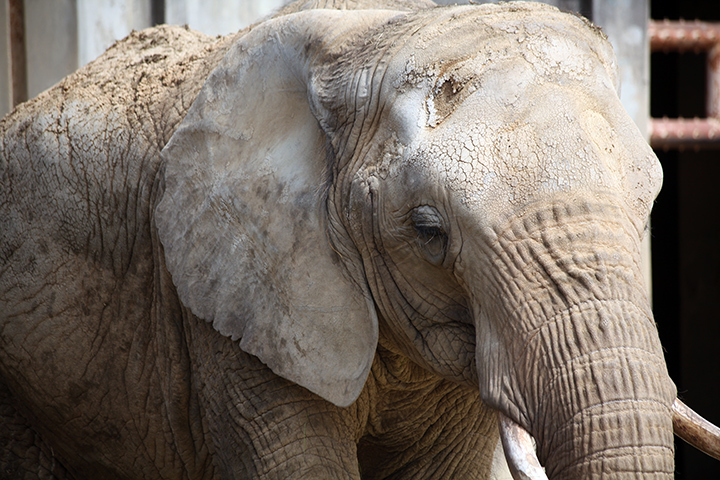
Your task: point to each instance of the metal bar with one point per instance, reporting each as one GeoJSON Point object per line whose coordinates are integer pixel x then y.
{"type": "Point", "coordinates": [157, 12]}
{"type": "Point", "coordinates": [713, 82]}
{"type": "Point", "coordinates": [683, 132]}
{"type": "Point", "coordinates": [682, 36]}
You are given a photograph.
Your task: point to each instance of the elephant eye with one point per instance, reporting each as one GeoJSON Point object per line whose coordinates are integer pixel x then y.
{"type": "Point", "coordinates": [430, 234]}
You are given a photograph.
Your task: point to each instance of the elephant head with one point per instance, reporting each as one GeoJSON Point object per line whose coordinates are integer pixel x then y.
{"type": "Point", "coordinates": [461, 185]}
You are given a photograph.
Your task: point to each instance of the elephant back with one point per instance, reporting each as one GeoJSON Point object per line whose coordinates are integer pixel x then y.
{"type": "Point", "coordinates": [83, 154]}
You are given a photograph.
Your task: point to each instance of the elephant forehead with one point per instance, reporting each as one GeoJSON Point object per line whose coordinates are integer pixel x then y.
{"type": "Point", "coordinates": [500, 56]}
{"type": "Point", "coordinates": [515, 164]}
{"type": "Point", "coordinates": [521, 145]}
{"type": "Point", "coordinates": [461, 42]}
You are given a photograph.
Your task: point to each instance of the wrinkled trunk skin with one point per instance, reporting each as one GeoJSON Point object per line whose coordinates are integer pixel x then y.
{"type": "Point", "coordinates": [606, 411]}
{"type": "Point", "coordinates": [585, 370]}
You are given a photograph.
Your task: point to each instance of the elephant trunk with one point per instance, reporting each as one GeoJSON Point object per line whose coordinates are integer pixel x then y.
{"type": "Point", "coordinates": [584, 370]}
{"type": "Point", "coordinates": [606, 411]}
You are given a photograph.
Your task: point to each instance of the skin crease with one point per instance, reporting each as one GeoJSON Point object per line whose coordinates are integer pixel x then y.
{"type": "Point", "coordinates": [483, 204]}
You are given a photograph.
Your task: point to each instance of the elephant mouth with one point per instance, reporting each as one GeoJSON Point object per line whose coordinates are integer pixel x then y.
{"type": "Point", "coordinates": [522, 460]}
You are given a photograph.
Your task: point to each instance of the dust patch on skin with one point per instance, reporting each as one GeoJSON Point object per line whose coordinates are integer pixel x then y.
{"type": "Point", "coordinates": [448, 93]}
{"type": "Point", "coordinates": [413, 75]}
{"type": "Point", "coordinates": [394, 150]}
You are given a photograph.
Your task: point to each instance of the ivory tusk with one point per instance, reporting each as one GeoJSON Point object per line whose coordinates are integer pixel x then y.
{"type": "Point", "coordinates": [695, 430]}
{"type": "Point", "coordinates": [519, 451]}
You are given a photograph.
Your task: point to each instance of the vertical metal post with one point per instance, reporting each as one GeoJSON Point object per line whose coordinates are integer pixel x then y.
{"type": "Point", "coordinates": [5, 67]}
{"type": "Point", "coordinates": [157, 12]}
{"type": "Point", "coordinates": [713, 82]}
{"type": "Point", "coordinates": [18, 65]}
{"type": "Point", "coordinates": [51, 43]}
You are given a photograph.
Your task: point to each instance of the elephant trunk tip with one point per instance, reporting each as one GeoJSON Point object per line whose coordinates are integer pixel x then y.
{"type": "Point", "coordinates": [650, 459]}
{"type": "Point", "coordinates": [522, 459]}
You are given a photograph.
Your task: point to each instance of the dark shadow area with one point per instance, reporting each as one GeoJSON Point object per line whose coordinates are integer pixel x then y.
{"type": "Point", "coordinates": [686, 239]}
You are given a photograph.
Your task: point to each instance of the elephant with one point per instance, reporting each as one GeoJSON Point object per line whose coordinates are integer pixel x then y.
{"type": "Point", "coordinates": [364, 240]}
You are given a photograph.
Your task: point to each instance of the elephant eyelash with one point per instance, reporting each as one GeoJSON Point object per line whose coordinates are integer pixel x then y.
{"type": "Point", "coordinates": [433, 242]}
{"type": "Point", "coordinates": [431, 237]}
{"type": "Point", "coordinates": [428, 233]}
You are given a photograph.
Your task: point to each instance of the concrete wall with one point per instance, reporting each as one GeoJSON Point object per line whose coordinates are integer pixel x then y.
{"type": "Point", "coordinates": [51, 42]}
{"type": "Point", "coordinates": [219, 17]}
{"type": "Point", "coordinates": [101, 22]}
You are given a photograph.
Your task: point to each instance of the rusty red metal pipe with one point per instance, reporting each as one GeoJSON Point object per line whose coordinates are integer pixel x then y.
{"type": "Point", "coordinates": [683, 132]}
{"type": "Point", "coordinates": [682, 36]}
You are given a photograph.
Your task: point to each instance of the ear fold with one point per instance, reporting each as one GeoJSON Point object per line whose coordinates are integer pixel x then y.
{"type": "Point", "coordinates": [242, 214]}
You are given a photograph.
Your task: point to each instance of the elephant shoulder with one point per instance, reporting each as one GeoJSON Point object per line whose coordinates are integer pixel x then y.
{"type": "Point", "coordinates": [77, 167]}
{"type": "Point", "coordinates": [78, 161]}
{"type": "Point", "coordinates": [142, 85]}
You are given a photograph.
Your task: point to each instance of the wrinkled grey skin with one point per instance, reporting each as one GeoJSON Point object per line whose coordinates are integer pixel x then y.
{"type": "Point", "coordinates": [371, 231]}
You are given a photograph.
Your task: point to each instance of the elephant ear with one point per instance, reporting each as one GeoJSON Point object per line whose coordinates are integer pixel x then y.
{"type": "Point", "coordinates": [241, 215]}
